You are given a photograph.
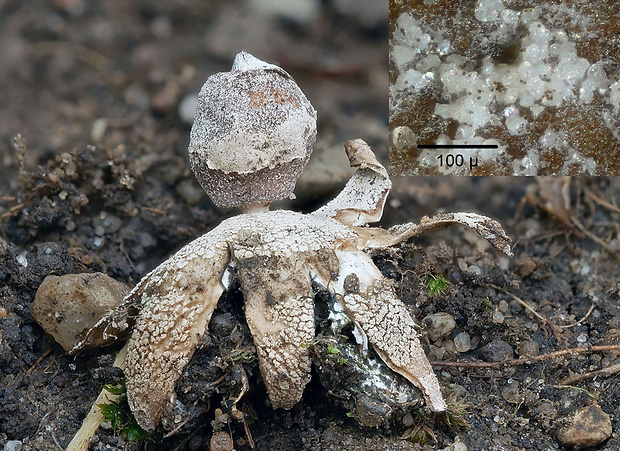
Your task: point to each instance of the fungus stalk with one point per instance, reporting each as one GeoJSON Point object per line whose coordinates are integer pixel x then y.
{"type": "Point", "coordinates": [254, 208]}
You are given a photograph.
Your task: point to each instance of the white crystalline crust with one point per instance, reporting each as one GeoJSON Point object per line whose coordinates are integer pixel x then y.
{"type": "Point", "coordinates": [488, 10]}
{"type": "Point", "coordinates": [547, 73]}
{"type": "Point", "coordinates": [251, 118]}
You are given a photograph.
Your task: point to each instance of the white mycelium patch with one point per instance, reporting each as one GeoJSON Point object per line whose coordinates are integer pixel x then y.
{"type": "Point", "coordinates": [485, 94]}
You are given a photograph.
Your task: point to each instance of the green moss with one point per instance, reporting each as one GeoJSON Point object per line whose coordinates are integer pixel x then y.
{"type": "Point", "coordinates": [119, 414]}
{"type": "Point", "coordinates": [436, 284]}
{"type": "Point", "coordinates": [333, 350]}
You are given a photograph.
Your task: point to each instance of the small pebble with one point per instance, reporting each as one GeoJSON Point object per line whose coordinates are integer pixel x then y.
{"type": "Point", "coordinates": [67, 306]}
{"type": "Point", "coordinates": [13, 445]}
{"type": "Point", "coordinates": [221, 441]}
{"type": "Point", "coordinates": [503, 306]}
{"type": "Point", "coordinates": [439, 325]}
{"type": "Point", "coordinates": [456, 446]}
{"type": "Point", "coordinates": [370, 411]}
{"type": "Point", "coordinates": [448, 345]}
{"type": "Point", "coordinates": [22, 260]}
{"type": "Point", "coordinates": [327, 436]}
{"type": "Point", "coordinates": [165, 100]}
{"type": "Point", "coordinates": [98, 129]}
{"type": "Point", "coordinates": [221, 417]}
{"type": "Point", "coordinates": [98, 241]}
{"type": "Point", "coordinates": [511, 392]}
{"type": "Point", "coordinates": [462, 342]}
{"type": "Point", "coordinates": [498, 318]}
{"type": "Point", "coordinates": [187, 108]}
{"type": "Point", "coordinates": [403, 138]}
{"type": "Point", "coordinates": [587, 427]}
{"type": "Point", "coordinates": [106, 223]}
{"type": "Point", "coordinates": [475, 341]}
{"type": "Point", "coordinates": [191, 192]}
{"type": "Point", "coordinates": [474, 269]}
{"type": "Point", "coordinates": [436, 352]}
{"type": "Point", "coordinates": [408, 420]}
{"type": "Point", "coordinates": [528, 348]}
{"type": "Point", "coordinates": [496, 351]}
{"type": "Point", "coordinates": [525, 266]}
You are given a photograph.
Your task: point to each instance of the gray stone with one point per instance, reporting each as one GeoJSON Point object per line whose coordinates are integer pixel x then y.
{"type": "Point", "coordinates": [496, 351]}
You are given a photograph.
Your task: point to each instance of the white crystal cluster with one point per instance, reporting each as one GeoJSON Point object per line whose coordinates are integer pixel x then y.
{"type": "Point", "coordinates": [548, 72]}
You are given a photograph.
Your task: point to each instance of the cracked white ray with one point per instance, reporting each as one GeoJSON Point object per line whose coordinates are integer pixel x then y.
{"type": "Point", "coordinates": [279, 308]}
{"type": "Point", "coordinates": [369, 299]}
{"type": "Point", "coordinates": [178, 299]}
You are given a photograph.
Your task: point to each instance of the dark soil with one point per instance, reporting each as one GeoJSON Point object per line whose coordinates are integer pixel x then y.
{"type": "Point", "coordinates": [73, 200]}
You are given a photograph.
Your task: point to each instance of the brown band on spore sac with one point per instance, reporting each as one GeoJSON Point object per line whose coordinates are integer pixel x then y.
{"type": "Point", "coordinates": [231, 190]}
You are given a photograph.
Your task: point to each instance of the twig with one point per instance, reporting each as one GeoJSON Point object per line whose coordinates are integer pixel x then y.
{"type": "Point", "coordinates": [576, 378]}
{"type": "Point", "coordinates": [581, 320]}
{"type": "Point", "coordinates": [522, 303]}
{"type": "Point", "coordinates": [530, 360]}
{"type": "Point", "coordinates": [248, 434]}
{"type": "Point", "coordinates": [600, 201]}
{"type": "Point", "coordinates": [55, 439]}
{"type": "Point", "coordinates": [39, 360]}
{"type": "Point", "coordinates": [590, 235]}
{"type": "Point", "coordinates": [572, 387]}
{"type": "Point", "coordinates": [19, 207]}
{"type": "Point", "coordinates": [245, 387]}
{"type": "Point", "coordinates": [154, 210]}
{"type": "Point", "coordinates": [176, 429]}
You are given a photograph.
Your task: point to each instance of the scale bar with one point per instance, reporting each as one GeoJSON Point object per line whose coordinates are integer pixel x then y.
{"type": "Point", "coordinates": [457, 146]}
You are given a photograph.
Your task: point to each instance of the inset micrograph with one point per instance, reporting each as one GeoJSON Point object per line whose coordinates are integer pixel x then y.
{"type": "Point", "coordinates": [504, 87]}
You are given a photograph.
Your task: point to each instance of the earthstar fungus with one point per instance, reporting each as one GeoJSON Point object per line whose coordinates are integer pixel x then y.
{"type": "Point", "coordinates": [279, 257]}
